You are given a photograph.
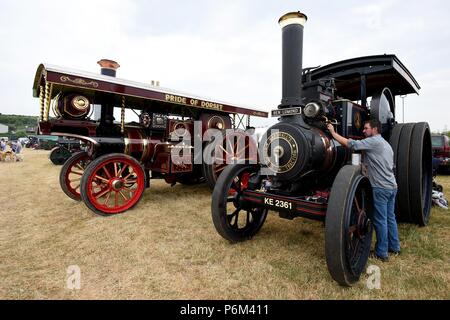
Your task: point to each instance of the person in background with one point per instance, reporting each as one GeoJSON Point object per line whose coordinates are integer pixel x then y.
{"type": "Point", "coordinates": [2, 149]}
{"type": "Point", "coordinates": [2, 145]}
{"type": "Point", "coordinates": [17, 148]}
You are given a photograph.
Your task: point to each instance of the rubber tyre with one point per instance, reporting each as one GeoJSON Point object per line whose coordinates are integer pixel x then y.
{"type": "Point", "coordinates": [219, 206]}
{"type": "Point", "coordinates": [99, 162]}
{"type": "Point", "coordinates": [63, 174]}
{"type": "Point", "coordinates": [420, 177]}
{"type": "Point", "coordinates": [413, 158]}
{"type": "Point", "coordinates": [404, 173]}
{"type": "Point", "coordinates": [394, 140]}
{"type": "Point", "coordinates": [59, 155]}
{"type": "Point", "coordinates": [337, 222]}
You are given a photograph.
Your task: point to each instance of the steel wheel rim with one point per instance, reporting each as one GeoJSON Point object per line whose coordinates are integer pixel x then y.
{"type": "Point", "coordinates": [115, 185]}
{"type": "Point", "coordinates": [358, 229]}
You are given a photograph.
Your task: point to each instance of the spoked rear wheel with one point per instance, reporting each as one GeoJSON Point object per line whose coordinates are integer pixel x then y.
{"type": "Point", "coordinates": [236, 147]}
{"type": "Point", "coordinates": [71, 173]}
{"type": "Point", "coordinates": [348, 227]}
{"type": "Point", "coordinates": [112, 184]}
{"type": "Point", "coordinates": [231, 220]}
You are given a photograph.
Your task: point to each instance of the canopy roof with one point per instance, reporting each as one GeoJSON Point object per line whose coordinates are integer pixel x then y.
{"type": "Point", "coordinates": [69, 80]}
{"type": "Point", "coordinates": [381, 71]}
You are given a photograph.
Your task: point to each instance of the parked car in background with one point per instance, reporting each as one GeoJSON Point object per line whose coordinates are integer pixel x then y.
{"type": "Point", "coordinates": [45, 142]}
{"type": "Point", "coordinates": [441, 152]}
{"type": "Point", "coordinates": [32, 142]}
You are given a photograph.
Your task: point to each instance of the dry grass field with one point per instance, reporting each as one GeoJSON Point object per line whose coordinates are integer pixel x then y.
{"type": "Point", "coordinates": [167, 248]}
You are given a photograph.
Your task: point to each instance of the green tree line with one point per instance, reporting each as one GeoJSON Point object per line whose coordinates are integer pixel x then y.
{"type": "Point", "coordinates": [17, 124]}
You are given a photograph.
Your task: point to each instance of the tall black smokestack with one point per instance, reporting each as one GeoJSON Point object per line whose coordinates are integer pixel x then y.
{"type": "Point", "coordinates": [108, 67]}
{"type": "Point", "coordinates": [292, 42]}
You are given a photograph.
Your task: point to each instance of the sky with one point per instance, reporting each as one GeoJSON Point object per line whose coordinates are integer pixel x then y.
{"type": "Point", "coordinates": [225, 50]}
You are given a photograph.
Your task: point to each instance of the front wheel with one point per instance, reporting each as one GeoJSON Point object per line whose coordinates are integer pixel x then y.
{"type": "Point", "coordinates": [231, 220]}
{"type": "Point", "coordinates": [348, 226]}
{"type": "Point", "coordinates": [71, 173]}
{"type": "Point", "coordinates": [112, 184]}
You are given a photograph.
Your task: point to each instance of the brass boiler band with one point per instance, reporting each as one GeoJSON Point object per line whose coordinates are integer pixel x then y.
{"type": "Point", "coordinates": [142, 148]}
{"type": "Point", "coordinates": [138, 145]}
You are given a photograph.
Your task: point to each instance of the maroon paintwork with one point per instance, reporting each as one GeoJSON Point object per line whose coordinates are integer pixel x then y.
{"type": "Point", "coordinates": [61, 125]}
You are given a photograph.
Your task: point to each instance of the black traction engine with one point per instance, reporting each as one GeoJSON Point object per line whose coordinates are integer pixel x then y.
{"type": "Point", "coordinates": [304, 172]}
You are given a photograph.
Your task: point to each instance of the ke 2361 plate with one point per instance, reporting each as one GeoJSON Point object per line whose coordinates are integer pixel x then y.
{"type": "Point", "coordinates": [280, 204]}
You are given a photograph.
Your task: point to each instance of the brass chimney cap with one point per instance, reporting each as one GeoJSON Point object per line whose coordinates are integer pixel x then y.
{"type": "Point", "coordinates": [108, 64]}
{"type": "Point", "coordinates": [293, 18]}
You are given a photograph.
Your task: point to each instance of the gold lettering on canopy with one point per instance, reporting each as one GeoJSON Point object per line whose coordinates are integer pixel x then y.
{"type": "Point", "coordinates": [193, 102]}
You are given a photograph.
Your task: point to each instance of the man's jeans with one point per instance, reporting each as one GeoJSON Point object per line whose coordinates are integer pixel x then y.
{"type": "Point", "coordinates": [384, 221]}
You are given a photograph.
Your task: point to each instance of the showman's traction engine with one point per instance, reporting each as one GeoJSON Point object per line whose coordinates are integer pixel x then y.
{"type": "Point", "coordinates": [121, 156]}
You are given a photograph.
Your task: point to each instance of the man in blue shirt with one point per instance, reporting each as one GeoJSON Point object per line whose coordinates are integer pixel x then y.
{"type": "Point", "coordinates": [379, 160]}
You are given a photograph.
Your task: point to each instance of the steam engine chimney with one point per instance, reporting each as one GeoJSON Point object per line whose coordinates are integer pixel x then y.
{"type": "Point", "coordinates": [292, 52]}
{"type": "Point", "coordinates": [105, 112]}
{"type": "Point", "coordinates": [108, 67]}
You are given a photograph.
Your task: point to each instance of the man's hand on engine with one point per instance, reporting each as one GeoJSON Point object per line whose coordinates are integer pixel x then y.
{"type": "Point", "coordinates": [342, 140]}
{"type": "Point", "coordinates": [330, 128]}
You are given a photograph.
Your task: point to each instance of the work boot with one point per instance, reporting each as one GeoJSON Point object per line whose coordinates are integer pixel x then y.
{"type": "Point", "coordinates": [375, 256]}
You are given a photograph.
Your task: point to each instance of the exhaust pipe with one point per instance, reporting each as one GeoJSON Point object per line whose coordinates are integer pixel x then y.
{"type": "Point", "coordinates": [292, 24]}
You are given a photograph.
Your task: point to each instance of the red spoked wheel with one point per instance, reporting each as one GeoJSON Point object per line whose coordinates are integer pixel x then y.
{"type": "Point", "coordinates": [71, 173]}
{"type": "Point", "coordinates": [236, 147]}
{"type": "Point", "coordinates": [112, 184]}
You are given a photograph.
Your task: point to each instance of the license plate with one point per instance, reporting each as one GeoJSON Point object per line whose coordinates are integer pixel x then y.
{"type": "Point", "coordinates": [286, 112]}
{"type": "Point", "coordinates": [279, 204]}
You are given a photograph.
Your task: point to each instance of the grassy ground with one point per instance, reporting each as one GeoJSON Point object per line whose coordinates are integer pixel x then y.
{"type": "Point", "coordinates": [167, 248]}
